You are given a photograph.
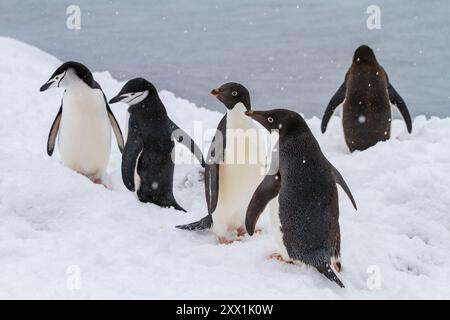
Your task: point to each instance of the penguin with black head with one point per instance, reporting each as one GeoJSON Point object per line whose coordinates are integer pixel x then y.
{"type": "Point", "coordinates": [147, 162]}
{"type": "Point", "coordinates": [235, 166]}
{"type": "Point", "coordinates": [306, 215]}
{"type": "Point", "coordinates": [366, 95]}
{"type": "Point", "coordinates": [83, 122]}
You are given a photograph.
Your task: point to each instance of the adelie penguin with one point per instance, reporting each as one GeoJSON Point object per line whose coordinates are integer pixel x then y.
{"type": "Point", "coordinates": [305, 216]}
{"type": "Point", "coordinates": [83, 122]}
{"type": "Point", "coordinates": [147, 164]}
{"type": "Point", "coordinates": [366, 95]}
{"type": "Point", "coordinates": [233, 170]}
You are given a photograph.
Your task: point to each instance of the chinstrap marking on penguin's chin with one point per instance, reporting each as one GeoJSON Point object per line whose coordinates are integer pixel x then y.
{"type": "Point", "coordinates": [132, 98]}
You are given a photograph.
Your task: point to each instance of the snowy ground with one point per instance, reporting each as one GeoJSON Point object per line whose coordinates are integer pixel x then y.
{"type": "Point", "coordinates": [52, 218]}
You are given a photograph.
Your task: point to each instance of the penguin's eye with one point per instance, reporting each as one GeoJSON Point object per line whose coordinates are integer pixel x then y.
{"type": "Point", "coordinates": [234, 93]}
{"type": "Point", "coordinates": [270, 119]}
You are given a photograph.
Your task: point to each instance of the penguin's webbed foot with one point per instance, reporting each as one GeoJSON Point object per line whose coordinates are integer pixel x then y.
{"type": "Point", "coordinates": [337, 265]}
{"type": "Point", "coordinates": [278, 257]}
{"type": "Point", "coordinates": [223, 240]}
{"type": "Point", "coordinates": [242, 231]}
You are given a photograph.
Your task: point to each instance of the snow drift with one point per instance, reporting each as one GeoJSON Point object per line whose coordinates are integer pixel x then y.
{"type": "Point", "coordinates": [54, 221]}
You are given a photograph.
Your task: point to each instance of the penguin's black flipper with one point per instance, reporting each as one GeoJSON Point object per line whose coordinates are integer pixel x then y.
{"type": "Point", "coordinates": [214, 158]}
{"type": "Point", "coordinates": [202, 224]}
{"type": "Point", "coordinates": [340, 180]}
{"type": "Point", "coordinates": [176, 206]}
{"type": "Point", "coordinates": [130, 154]}
{"type": "Point", "coordinates": [182, 136]}
{"type": "Point", "coordinates": [335, 101]}
{"type": "Point", "coordinates": [397, 100]}
{"type": "Point", "coordinates": [325, 269]}
{"type": "Point", "coordinates": [54, 132]}
{"type": "Point", "coordinates": [266, 191]}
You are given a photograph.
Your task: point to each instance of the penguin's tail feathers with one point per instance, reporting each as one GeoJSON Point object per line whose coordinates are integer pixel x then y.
{"type": "Point", "coordinates": [202, 224]}
{"type": "Point", "coordinates": [325, 269]}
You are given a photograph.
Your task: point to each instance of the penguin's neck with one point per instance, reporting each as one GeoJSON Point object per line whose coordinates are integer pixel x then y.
{"type": "Point", "coordinates": [153, 107]}
{"type": "Point", "coordinates": [236, 118]}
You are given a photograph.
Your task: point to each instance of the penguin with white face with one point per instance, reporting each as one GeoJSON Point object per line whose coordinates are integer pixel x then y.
{"type": "Point", "coordinates": [147, 162]}
{"type": "Point", "coordinates": [83, 123]}
{"type": "Point", "coordinates": [235, 166]}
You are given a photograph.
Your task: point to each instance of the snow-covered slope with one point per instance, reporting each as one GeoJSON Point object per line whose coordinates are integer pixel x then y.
{"type": "Point", "coordinates": [52, 218]}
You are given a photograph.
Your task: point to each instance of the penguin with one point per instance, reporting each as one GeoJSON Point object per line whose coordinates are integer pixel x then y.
{"type": "Point", "coordinates": [83, 123]}
{"type": "Point", "coordinates": [366, 95]}
{"type": "Point", "coordinates": [306, 215]}
{"type": "Point", "coordinates": [229, 183]}
{"type": "Point", "coordinates": [147, 165]}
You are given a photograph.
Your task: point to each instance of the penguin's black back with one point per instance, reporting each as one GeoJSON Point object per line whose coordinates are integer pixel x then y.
{"type": "Point", "coordinates": [366, 110]}
{"type": "Point", "coordinates": [308, 199]}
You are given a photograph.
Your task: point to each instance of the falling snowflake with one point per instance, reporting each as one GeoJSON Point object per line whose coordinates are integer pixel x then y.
{"type": "Point", "coordinates": [362, 119]}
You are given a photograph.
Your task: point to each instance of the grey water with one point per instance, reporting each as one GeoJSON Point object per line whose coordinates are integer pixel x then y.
{"type": "Point", "coordinates": [291, 54]}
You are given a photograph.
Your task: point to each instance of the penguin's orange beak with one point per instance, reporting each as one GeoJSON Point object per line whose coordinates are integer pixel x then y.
{"type": "Point", "coordinates": [215, 92]}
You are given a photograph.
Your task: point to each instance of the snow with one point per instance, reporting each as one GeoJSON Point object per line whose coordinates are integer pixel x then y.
{"type": "Point", "coordinates": [55, 222]}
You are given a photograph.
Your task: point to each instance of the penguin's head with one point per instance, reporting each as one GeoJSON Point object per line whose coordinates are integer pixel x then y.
{"type": "Point", "coordinates": [232, 93]}
{"type": "Point", "coordinates": [135, 91]}
{"type": "Point", "coordinates": [282, 120]}
{"type": "Point", "coordinates": [67, 74]}
{"type": "Point", "coordinates": [364, 54]}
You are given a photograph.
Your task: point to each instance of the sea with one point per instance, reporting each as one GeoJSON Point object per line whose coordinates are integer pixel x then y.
{"type": "Point", "coordinates": [289, 54]}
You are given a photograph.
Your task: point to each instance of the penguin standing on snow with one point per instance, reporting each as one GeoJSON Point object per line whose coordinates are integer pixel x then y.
{"type": "Point", "coordinates": [233, 170]}
{"type": "Point", "coordinates": [83, 122]}
{"type": "Point", "coordinates": [366, 95]}
{"type": "Point", "coordinates": [306, 214]}
{"type": "Point", "coordinates": [149, 145]}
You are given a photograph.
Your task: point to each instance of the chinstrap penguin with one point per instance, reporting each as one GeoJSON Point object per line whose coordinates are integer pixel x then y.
{"type": "Point", "coordinates": [83, 123]}
{"type": "Point", "coordinates": [147, 163]}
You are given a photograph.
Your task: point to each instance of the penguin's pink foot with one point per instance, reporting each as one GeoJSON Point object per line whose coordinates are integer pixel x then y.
{"type": "Point", "coordinates": [337, 266]}
{"type": "Point", "coordinates": [278, 257]}
{"type": "Point", "coordinates": [99, 181]}
{"type": "Point", "coordinates": [226, 240]}
{"type": "Point", "coordinates": [241, 231]}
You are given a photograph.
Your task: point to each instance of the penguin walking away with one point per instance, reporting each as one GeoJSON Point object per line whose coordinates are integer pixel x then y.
{"type": "Point", "coordinates": [366, 95]}
{"type": "Point", "coordinates": [305, 217]}
{"type": "Point", "coordinates": [147, 164]}
{"type": "Point", "coordinates": [83, 122]}
{"type": "Point", "coordinates": [230, 183]}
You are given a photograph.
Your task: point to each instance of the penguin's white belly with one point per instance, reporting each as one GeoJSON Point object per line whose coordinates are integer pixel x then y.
{"type": "Point", "coordinates": [237, 183]}
{"type": "Point", "coordinates": [137, 177]}
{"type": "Point", "coordinates": [276, 228]}
{"type": "Point", "coordinates": [85, 133]}
{"type": "Point", "coordinates": [240, 175]}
